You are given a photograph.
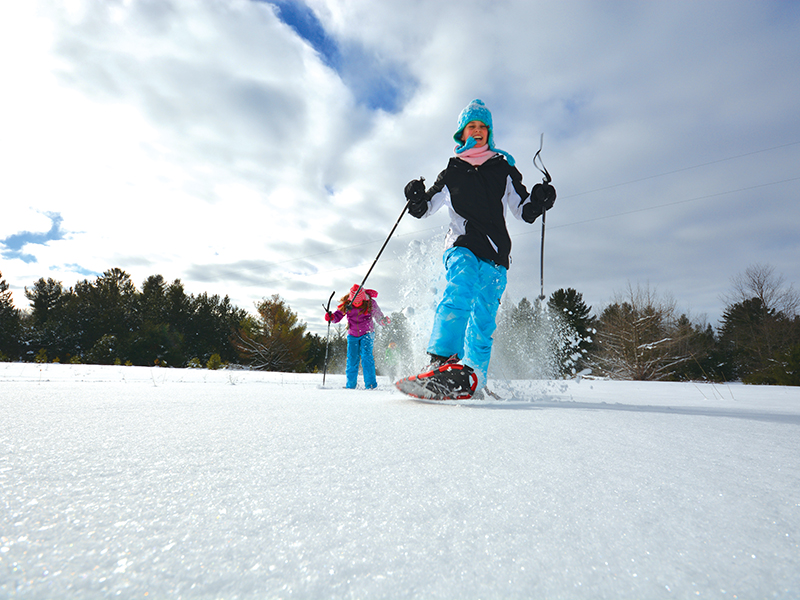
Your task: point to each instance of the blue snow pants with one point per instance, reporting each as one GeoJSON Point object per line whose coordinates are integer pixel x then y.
{"type": "Point", "coordinates": [465, 318]}
{"type": "Point", "coordinates": [359, 349]}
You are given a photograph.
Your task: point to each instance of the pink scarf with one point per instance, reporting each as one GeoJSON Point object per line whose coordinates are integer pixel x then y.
{"type": "Point", "coordinates": [477, 156]}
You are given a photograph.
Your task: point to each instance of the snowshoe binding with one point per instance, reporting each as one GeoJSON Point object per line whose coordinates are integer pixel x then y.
{"type": "Point", "coordinates": [448, 381]}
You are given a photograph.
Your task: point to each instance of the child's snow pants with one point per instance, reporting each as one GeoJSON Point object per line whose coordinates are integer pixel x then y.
{"type": "Point", "coordinates": [359, 349]}
{"type": "Point", "coordinates": [465, 318]}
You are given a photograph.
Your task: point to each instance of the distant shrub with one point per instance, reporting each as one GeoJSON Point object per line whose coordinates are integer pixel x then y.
{"type": "Point", "coordinates": [215, 362]}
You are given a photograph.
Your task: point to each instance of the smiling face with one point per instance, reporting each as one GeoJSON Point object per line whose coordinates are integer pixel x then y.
{"type": "Point", "coordinates": [477, 130]}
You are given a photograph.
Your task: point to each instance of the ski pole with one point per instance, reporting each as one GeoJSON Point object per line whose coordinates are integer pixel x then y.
{"type": "Point", "coordinates": [546, 180]}
{"type": "Point", "coordinates": [327, 339]}
{"type": "Point", "coordinates": [541, 261]}
{"type": "Point", "coordinates": [405, 208]}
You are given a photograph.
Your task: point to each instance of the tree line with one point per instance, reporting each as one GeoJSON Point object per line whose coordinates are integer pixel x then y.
{"type": "Point", "coordinates": [640, 335]}
{"type": "Point", "coordinates": [110, 321]}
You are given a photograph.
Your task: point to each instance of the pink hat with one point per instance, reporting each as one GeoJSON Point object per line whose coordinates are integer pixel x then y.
{"type": "Point", "coordinates": [362, 294]}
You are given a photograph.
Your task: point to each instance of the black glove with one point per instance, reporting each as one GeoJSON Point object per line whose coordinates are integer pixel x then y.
{"type": "Point", "coordinates": [417, 199]}
{"type": "Point", "coordinates": [543, 197]}
{"type": "Point", "coordinates": [545, 194]}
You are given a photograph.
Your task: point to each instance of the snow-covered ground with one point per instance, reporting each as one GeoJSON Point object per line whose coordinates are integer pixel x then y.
{"type": "Point", "coordinates": [171, 483]}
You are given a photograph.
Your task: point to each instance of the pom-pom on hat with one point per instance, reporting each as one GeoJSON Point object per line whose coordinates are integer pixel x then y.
{"type": "Point", "coordinates": [477, 111]}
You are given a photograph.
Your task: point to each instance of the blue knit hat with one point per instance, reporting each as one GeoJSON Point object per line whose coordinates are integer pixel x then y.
{"type": "Point", "coordinates": [477, 111]}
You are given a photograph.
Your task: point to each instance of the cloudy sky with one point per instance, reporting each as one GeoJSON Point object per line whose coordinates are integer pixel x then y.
{"type": "Point", "coordinates": [252, 148]}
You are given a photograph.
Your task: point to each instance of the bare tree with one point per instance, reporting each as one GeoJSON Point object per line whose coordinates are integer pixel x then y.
{"type": "Point", "coordinates": [760, 281]}
{"type": "Point", "coordinates": [275, 341]}
{"type": "Point", "coordinates": [640, 336]}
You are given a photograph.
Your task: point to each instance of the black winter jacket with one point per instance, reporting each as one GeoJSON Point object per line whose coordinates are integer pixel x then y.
{"type": "Point", "coordinates": [478, 197]}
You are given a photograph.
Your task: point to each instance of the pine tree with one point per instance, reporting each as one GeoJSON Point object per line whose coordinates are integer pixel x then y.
{"type": "Point", "coordinates": [579, 329]}
{"type": "Point", "coordinates": [49, 327]}
{"type": "Point", "coordinates": [101, 309]}
{"type": "Point", "coordinates": [10, 324]}
{"type": "Point", "coordinates": [154, 340]}
{"type": "Point", "coordinates": [46, 296]}
{"type": "Point", "coordinates": [759, 326]}
{"type": "Point", "coordinates": [750, 336]}
{"type": "Point", "coordinates": [315, 353]}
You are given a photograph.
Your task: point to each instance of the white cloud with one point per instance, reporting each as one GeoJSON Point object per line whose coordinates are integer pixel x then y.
{"type": "Point", "coordinates": [206, 141]}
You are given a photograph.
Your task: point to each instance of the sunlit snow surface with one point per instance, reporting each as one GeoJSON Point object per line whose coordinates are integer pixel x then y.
{"type": "Point", "coordinates": [168, 483]}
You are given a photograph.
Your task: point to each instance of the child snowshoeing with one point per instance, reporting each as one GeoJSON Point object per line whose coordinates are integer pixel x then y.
{"type": "Point", "coordinates": [479, 185]}
{"type": "Point", "coordinates": [361, 309]}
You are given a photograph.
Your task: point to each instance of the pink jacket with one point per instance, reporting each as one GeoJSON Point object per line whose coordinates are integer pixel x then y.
{"type": "Point", "coordinates": [359, 323]}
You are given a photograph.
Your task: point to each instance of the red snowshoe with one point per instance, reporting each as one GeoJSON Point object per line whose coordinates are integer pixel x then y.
{"type": "Point", "coordinates": [448, 381]}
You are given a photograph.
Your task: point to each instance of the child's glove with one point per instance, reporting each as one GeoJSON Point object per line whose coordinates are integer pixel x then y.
{"type": "Point", "coordinates": [543, 197]}
{"type": "Point", "coordinates": [385, 321]}
{"type": "Point", "coordinates": [328, 316]}
{"type": "Point", "coordinates": [417, 200]}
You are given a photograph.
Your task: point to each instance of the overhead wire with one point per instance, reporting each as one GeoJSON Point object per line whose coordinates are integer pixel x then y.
{"type": "Point", "coordinates": [657, 206]}
{"type": "Point", "coordinates": [682, 170]}
{"type": "Point", "coordinates": [600, 218]}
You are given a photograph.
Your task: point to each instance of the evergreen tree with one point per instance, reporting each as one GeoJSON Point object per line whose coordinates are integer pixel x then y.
{"type": "Point", "coordinates": [212, 325]}
{"type": "Point", "coordinates": [785, 369]}
{"type": "Point", "coordinates": [315, 353]}
{"type": "Point", "coordinates": [700, 344]}
{"type": "Point", "coordinates": [10, 324]}
{"type": "Point", "coordinates": [46, 327]}
{"type": "Point", "coordinates": [151, 303]}
{"type": "Point", "coordinates": [569, 307]}
{"type": "Point", "coordinates": [178, 307]}
{"type": "Point", "coordinates": [103, 308]}
{"type": "Point", "coordinates": [154, 340]}
{"type": "Point", "coordinates": [46, 296]}
{"type": "Point", "coordinates": [751, 335]}
{"type": "Point", "coordinates": [759, 326]}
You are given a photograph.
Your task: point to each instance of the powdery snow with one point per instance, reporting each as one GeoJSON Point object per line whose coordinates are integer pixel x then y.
{"type": "Point", "coordinates": [172, 483]}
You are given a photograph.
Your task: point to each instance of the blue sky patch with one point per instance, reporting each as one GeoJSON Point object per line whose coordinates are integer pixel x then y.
{"type": "Point", "coordinates": [81, 270]}
{"type": "Point", "coordinates": [375, 83]}
{"type": "Point", "coordinates": [305, 24]}
{"type": "Point", "coordinates": [15, 242]}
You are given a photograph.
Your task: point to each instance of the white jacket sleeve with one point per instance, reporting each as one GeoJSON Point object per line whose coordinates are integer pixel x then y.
{"type": "Point", "coordinates": [513, 200]}
{"type": "Point", "coordinates": [437, 201]}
